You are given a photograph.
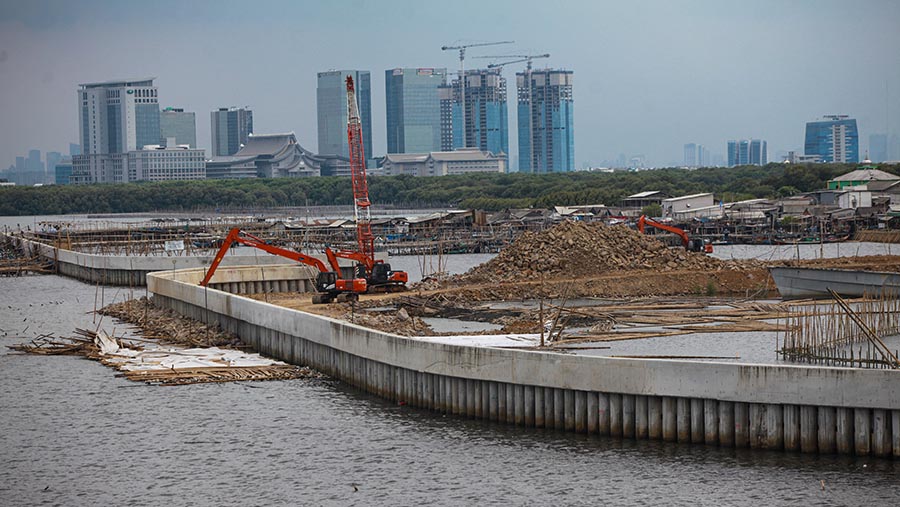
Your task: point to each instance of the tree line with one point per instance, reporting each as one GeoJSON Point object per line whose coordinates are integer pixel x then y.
{"type": "Point", "coordinates": [488, 191]}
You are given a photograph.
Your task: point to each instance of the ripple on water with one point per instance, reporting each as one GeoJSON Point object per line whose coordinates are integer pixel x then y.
{"type": "Point", "coordinates": [70, 425]}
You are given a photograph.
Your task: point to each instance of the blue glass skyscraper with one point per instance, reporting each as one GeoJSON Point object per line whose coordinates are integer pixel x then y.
{"type": "Point", "coordinates": [413, 109]}
{"type": "Point", "coordinates": [747, 152]}
{"type": "Point", "coordinates": [834, 139]}
{"type": "Point", "coordinates": [546, 132]}
{"type": "Point", "coordinates": [331, 109]}
{"type": "Point", "coordinates": [487, 114]}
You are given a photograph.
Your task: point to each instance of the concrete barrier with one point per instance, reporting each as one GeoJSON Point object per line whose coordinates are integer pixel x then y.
{"type": "Point", "coordinates": [791, 408]}
{"type": "Point", "coordinates": [131, 271]}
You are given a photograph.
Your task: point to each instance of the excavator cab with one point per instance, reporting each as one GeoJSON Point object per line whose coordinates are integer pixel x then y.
{"type": "Point", "coordinates": [329, 287]}
{"type": "Point", "coordinates": [381, 273]}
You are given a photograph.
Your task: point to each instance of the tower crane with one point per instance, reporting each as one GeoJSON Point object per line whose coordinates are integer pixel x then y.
{"type": "Point", "coordinates": [519, 59]}
{"type": "Point", "coordinates": [527, 59]}
{"type": "Point", "coordinates": [462, 75]}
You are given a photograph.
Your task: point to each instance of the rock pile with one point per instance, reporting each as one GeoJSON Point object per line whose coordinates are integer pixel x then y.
{"type": "Point", "coordinates": [576, 249]}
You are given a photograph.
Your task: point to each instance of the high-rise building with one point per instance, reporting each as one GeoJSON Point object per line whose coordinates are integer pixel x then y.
{"type": "Point", "coordinates": [118, 116]}
{"type": "Point", "coordinates": [690, 155]}
{"type": "Point", "coordinates": [758, 152]}
{"type": "Point", "coordinates": [331, 110]}
{"type": "Point", "coordinates": [546, 129]}
{"type": "Point", "coordinates": [893, 149]}
{"type": "Point", "coordinates": [230, 129]}
{"type": "Point", "coordinates": [413, 109]}
{"type": "Point", "coordinates": [747, 152]}
{"type": "Point", "coordinates": [178, 124]}
{"type": "Point", "coordinates": [835, 139]}
{"type": "Point", "coordinates": [703, 159]}
{"type": "Point", "coordinates": [878, 147]}
{"type": "Point", "coordinates": [33, 163]}
{"type": "Point", "coordinates": [53, 158]}
{"type": "Point", "coordinates": [63, 171]}
{"type": "Point", "coordinates": [150, 163]}
{"type": "Point", "coordinates": [487, 118]}
{"type": "Point", "coordinates": [74, 149]}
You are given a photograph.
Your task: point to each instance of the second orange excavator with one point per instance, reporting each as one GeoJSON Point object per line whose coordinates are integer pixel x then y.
{"type": "Point", "coordinates": [329, 284]}
{"type": "Point", "coordinates": [694, 245]}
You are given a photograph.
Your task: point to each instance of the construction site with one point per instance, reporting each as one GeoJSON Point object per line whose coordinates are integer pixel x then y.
{"type": "Point", "coordinates": [577, 325]}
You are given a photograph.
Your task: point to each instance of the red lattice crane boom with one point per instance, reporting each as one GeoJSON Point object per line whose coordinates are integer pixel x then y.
{"type": "Point", "coordinates": [361, 203]}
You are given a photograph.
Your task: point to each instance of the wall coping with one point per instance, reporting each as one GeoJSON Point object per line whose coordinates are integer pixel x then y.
{"type": "Point", "coordinates": [752, 383]}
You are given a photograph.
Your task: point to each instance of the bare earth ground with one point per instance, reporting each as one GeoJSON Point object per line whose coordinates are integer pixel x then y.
{"type": "Point", "coordinates": [572, 260]}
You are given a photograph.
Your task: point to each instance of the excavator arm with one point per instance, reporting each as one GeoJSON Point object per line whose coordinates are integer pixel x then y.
{"type": "Point", "coordinates": [238, 236]}
{"type": "Point", "coordinates": [644, 221]}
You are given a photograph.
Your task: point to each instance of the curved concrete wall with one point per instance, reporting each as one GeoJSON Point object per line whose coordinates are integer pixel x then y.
{"type": "Point", "coordinates": [132, 270]}
{"type": "Point", "coordinates": [801, 408]}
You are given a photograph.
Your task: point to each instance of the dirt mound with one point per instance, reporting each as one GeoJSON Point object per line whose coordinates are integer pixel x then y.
{"type": "Point", "coordinates": [576, 249]}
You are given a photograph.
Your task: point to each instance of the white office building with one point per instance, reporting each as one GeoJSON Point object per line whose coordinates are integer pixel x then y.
{"type": "Point", "coordinates": [118, 116]}
{"type": "Point", "coordinates": [152, 163]}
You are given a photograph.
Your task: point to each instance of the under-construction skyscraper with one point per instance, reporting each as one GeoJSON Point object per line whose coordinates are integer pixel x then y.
{"type": "Point", "coordinates": [487, 118]}
{"type": "Point", "coordinates": [546, 133]}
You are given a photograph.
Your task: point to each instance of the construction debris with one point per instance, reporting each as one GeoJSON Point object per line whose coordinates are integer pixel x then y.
{"type": "Point", "coordinates": [169, 327]}
{"type": "Point", "coordinates": [15, 263]}
{"type": "Point", "coordinates": [576, 249]}
{"type": "Point", "coordinates": [217, 359]}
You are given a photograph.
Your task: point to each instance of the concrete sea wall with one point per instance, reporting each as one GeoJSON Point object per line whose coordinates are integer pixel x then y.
{"type": "Point", "coordinates": [791, 408]}
{"type": "Point", "coordinates": [131, 271]}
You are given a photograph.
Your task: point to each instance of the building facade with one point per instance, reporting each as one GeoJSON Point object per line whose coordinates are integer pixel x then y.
{"type": "Point", "coordinates": [413, 109]}
{"type": "Point", "coordinates": [835, 139]}
{"type": "Point", "coordinates": [230, 128]}
{"type": "Point", "coordinates": [443, 163]}
{"type": "Point", "coordinates": [178, 124]}
{"type": "Point", "coordinates": [690, 155]}
{"type": "Point", "coordinates": [878, 147]}
{"type": "Point", "coordinates": [747, 152]}
{"type": "Point", "coordinates": [152, 163]}
{"type": "Point", "coordinates": [545, 123]}
{"type": "Point", "coordinates": [63, 171]}
{"type": "Point", "coordinates": [118, 116]}
{"type": "Point", "coordinates": [331, 110]}
{"type": "Point", "coordinates": [486, 119]}
{"type": "Point", "coordinates": [273, 156]}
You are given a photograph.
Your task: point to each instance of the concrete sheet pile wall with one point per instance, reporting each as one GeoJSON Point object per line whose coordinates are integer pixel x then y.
{"type": "Point", "coordinates": [791, 408]}
{"type": "Point", "coordinates": [131, 271]}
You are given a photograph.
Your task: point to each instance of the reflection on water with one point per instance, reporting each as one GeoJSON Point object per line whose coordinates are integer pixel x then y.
{"type": "Point", "coordinates": [74, 434]}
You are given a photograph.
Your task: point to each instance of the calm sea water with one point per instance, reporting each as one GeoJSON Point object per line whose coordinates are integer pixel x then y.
{"type": "Point", "coordinates": [72, 433]}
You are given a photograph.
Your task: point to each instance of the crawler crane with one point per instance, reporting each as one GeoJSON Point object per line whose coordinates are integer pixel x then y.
{"type": "Point", "coordinates": [378, 274]}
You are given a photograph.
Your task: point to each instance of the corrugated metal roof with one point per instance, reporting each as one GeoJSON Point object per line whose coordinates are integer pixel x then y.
{"type": "Point", "coordinates": [867, 175]}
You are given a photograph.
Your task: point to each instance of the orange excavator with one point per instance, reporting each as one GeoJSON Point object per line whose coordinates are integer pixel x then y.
{"type": "Point", "coordinates": [329, 285]}
{"type": "Point", "coordinates": [378, 274]}
{"type": "Point", "coordinates": [689, 244]}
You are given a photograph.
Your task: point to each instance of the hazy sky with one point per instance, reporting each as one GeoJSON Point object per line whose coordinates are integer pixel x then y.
{"type": "Point", "coordinates": [650, 76]}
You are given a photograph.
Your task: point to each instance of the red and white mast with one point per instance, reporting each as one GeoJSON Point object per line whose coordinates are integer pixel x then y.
{"type": "Point", "coordinates": [361, 203]}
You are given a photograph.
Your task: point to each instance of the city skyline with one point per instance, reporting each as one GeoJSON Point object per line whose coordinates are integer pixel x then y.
{"type": "Point", "coordinates": [643, 95]}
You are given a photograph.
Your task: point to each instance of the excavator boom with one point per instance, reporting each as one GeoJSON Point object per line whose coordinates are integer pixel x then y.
{"type": "Point", "coordinates": [696, 245]}
{"type": "Point", "coordinates": [238, 236]}
{"type": "Point", "coordinates": [644, 221]}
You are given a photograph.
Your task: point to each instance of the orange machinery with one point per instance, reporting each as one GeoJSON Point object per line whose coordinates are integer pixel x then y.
{"type": "Point", "coordinates": [692, 245]}
{"type": "Point", "coordinates": [329, 285]}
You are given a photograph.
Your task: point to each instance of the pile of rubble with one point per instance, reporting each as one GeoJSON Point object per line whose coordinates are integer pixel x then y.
{"type": "Point", "coordinates": [576, 250]}
{"type": "Point", "coordinates": [167, 326]}
{"type": "Point", "coordinates": [398, 322]}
